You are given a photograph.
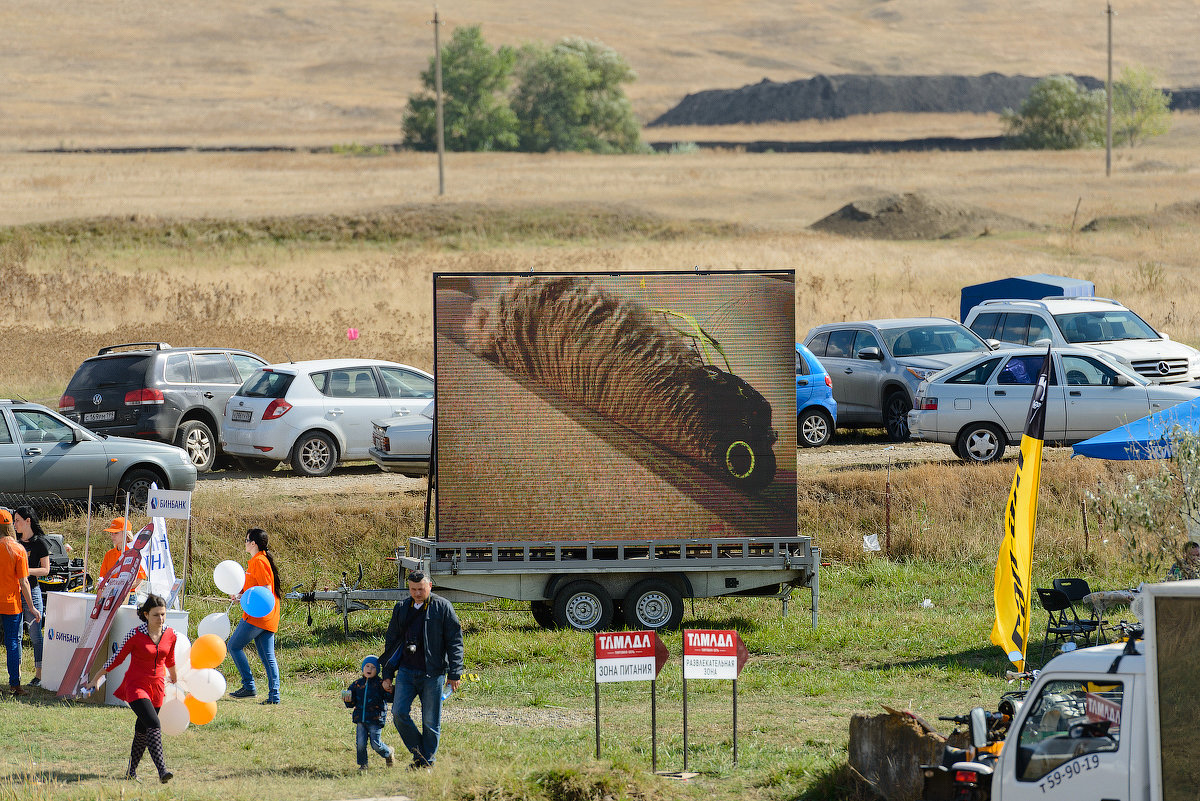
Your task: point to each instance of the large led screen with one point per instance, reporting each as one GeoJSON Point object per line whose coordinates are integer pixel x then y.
{"type": "Point", "coordinates": [605, 407]}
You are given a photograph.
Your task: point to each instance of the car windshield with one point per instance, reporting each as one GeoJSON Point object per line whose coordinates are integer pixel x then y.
{"type": "Point", "coordinates": [266, 384]}
{"type": "Point", "coordinates": [110, 372]}
{"type": "Point", "coordinates": [1105, 326]}
{"type": "Point", "coordinates": [932, 340]}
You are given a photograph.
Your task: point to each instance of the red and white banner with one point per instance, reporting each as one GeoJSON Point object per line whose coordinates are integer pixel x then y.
{"type": "Point", "coordinates": [709, 654]}
{"type": "Point", "coordinates": [629, 656]}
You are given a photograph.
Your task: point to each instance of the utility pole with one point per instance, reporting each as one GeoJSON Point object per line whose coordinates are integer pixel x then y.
{"type": "Point", "coordinates": [1108, 89]}
{"type": "Point", "coordinates": [437, 83]}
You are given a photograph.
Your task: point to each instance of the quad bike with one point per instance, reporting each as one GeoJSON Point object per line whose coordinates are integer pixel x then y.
{"type": "Point", "coordinates": [965, 774]}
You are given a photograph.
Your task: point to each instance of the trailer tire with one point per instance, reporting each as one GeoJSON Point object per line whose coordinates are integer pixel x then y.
{"type": "Point", "coordinates": [653, 604]}
{"type": "Point", "coordinates": [583, 606]}
{"type": "Point", "coordinates": [543, 614]}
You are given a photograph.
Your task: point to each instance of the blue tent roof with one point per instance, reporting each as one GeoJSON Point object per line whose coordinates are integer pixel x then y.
{"type": "Point", "coordinates": [1147, 438]}
{"type": "Point", "coordinates": [1025, 287]}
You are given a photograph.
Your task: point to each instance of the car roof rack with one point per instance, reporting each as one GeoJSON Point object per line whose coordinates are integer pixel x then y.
{"type": "Point", "coordinates": [135, 346]}
{"type": "Point", "coordinates": [1090, 297]}
{"type": "Point", "coordinates": [1041, 304]}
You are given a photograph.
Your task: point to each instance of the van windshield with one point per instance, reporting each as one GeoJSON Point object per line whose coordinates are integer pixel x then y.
{"type": "Point", "coordinates": [1106, 326]}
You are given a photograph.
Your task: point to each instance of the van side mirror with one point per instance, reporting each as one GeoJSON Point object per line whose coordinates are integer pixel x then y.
{"type": "Point", "coordinates": [871, 354]}
{"type": "Point", "coordinates": [979, 727]}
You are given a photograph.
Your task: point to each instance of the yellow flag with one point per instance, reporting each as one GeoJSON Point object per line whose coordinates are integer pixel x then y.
{"type": "Point", "coordinates": [1014, 565]}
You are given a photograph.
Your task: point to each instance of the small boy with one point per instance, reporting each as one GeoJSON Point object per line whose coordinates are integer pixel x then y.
{"type": "Point", "coordinates": [370, 702]}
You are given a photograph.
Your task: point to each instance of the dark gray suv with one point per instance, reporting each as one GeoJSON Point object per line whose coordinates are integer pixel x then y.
{"type": "Point", "coordinates": [151, 390]}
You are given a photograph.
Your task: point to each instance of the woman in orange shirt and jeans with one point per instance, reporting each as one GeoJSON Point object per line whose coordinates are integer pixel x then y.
{"type": "Point", "coordinates": [260, 572]}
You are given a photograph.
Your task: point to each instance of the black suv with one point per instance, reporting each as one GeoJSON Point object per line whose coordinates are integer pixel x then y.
{"type": "Point", "coordinates": [151, 390]}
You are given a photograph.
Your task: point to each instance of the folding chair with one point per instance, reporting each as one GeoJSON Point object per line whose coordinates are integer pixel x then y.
{"type": "Point", "coordinates": [1076, 589]}
{"type": "Point", "coordinates": [1062, 623]}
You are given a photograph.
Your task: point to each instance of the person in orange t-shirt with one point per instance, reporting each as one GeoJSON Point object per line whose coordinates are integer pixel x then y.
{"type": "Point", "coordinates": [14, 596]}
{"type": "Point", "coordinates": [122, 535]}
{"type": "Point", "coordinates": [260, 572]}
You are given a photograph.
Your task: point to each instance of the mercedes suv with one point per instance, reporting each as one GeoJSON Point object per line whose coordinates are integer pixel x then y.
{"type": "Point", "coordinates": [150, 390]}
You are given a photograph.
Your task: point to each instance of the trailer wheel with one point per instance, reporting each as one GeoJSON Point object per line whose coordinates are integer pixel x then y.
{"type": "Point", "coordinates": [583, 606]}
{"type": "Point", "coordinates": [543, 614]}
{"type": "Point", "coordinates": [653, 604]}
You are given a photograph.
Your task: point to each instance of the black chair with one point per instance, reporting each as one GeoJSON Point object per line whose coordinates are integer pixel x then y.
{"type": "Point", "coordinates": [1062, 623]}
{"type": "Point", "coordinates": [1076, 589]}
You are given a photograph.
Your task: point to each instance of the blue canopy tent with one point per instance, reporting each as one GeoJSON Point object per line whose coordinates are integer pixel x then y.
{"type": "Point", "coordinates": [1147, 438]}
{"type": "Point", "coordinates": [1025, 287]}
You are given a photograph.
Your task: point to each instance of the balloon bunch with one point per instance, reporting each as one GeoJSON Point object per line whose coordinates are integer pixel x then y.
{"type": "Point", "coordinates": [198, 685]}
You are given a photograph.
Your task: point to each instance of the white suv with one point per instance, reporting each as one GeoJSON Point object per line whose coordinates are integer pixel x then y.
{"type": "Point", "coordinates": [1098, 324]}
{"type": "Point", "coordinates": [318, 413]}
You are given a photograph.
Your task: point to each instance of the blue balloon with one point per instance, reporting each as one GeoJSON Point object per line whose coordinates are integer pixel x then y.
{"type": "Point", "coordinates": [258, 601]}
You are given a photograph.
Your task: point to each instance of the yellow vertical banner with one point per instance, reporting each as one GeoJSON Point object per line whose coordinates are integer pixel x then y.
{"type": "Point", "coordinates": [1014, 564]}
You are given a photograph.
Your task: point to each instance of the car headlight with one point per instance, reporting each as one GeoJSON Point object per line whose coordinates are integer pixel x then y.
{"type": "Point", "coordinates": [923, 373]}
{"type": "Point", "coordinates": [1194, 363]}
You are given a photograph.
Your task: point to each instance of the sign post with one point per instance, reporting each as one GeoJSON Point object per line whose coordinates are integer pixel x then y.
{"type": "Point", "coordinates": [709, 654]}
{"type": "Point", "coordinates": [630, 656]}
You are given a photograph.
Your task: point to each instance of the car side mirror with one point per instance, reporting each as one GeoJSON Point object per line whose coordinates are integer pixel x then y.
{"type": "Point", "coordinates": [871, 354]}
{"type": "Point", "coordinates": [979, 727]}
{"type": "Point", "coordinates": [76, 436]}
{"type": "Point", "coordinates": [1164, 335]}
{"type": "Point", "coordinates": [994, 344]}
{"type": "Point", "coordinates": [1123, 380]}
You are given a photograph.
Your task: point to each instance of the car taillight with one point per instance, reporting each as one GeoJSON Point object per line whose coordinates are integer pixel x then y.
{"type": "Point", "coordinates": [966, 776]}
{"type": "Point", "coordinates": [927, 404]}
{"type": "Point", "coordinates": [143, 397]}
{"type": "Point", "coordinates": [277, 408]}
{"type": "Point", "coordinates": [66, 404]}
{"type": "Point", "coordinates": [828, 381]}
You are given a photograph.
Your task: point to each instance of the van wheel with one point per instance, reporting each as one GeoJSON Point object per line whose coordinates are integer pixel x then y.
{"type": "Point", "coordinates": [196, 438]}
{"type": "Point", "coordinates": [653, 604]}
{"type": "Point", "coordinates": [981, 443]}
{"type": "Point", "coordinates": [583, 606]}
{"type": "Point", "coordinates": [895, 416]}
{"type": "Point", "coordinates": [314, 454]}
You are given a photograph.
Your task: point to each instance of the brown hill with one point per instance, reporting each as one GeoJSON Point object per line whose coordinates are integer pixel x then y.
{"type": "Point", "coordinates": [916, 215]}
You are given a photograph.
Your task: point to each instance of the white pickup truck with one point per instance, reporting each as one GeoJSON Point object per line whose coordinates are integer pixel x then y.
{"type": "Point", "coordinates": [1116, 722]}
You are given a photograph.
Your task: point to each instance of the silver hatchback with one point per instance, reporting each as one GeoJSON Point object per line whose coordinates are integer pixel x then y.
{"type": "Point", "coordinates": [979, 407]}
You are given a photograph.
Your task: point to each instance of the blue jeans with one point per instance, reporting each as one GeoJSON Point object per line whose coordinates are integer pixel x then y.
{"type": "Point", "coordinates": [35, 628]}
{"type": "Point", "coordinates": [371, 732]}
{"type": "Point", "coordinates": [265, 642]}
{"type": "Point", "coordinates": [409, 684]}
{"type": "Point", "coordinates": [12, 647]}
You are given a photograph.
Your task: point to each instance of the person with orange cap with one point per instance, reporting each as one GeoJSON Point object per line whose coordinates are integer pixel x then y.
{"type": "Point", "coordinates": [122, 535]}
{"type": "Point", "coordinates": [14, 596]}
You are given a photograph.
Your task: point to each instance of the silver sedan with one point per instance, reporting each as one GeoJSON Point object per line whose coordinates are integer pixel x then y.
{"type": "Point", "coordinates": [980, 406]}
{"type": "Point", "coordinates": [43, 456]}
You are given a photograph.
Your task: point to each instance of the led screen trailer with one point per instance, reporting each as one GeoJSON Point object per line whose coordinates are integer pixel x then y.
{"type": "Point", "coordinates": [613, 407]}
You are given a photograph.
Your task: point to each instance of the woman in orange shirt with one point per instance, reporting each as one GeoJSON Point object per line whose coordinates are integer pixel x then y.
{"type": "Point", "coordinates": [260, 572]}
{"type": "Point", "coordinates": [122, 535]}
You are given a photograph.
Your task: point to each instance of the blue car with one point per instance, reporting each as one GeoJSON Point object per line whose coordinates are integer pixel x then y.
{"type": "Point", "coordinates": [816, 410]}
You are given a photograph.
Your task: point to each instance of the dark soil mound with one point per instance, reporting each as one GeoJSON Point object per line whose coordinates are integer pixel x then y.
{"type": "Point", "coordinates": [1185, 213]}
{"type": "Point", "coordinates": [915, 216]}
{"type": "Point", "coordinates": [825, 97]}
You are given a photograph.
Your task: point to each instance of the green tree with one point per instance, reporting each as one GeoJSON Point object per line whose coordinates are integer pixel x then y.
{"type": "Point", "coordinates": [1155, 513]}
{"type": "Point", "coordinates": [570, 98]}
{"type": "Point", "coordinates": [474, 81]}
{"type": "Point", "coordinates": [1059, 114]}
{"type": "Point", "coordinates": [1140, 109]}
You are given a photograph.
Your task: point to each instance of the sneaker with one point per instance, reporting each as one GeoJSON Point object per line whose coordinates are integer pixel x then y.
{"type": "Point", "coordinates": [388, 759]}
{"type": "Point", "coordinates": [242, 692]}
{"type": "Point", "coordinates": [362, 767]}
{"type": "Point", "coordinates": [269, 701]}
{"type": "Point", "coordinates": [35, 682]}
{"type": "Point", "coordinates": [165, 776]}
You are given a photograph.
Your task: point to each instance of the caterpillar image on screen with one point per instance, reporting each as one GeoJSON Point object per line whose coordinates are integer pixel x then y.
{"type": "Point", "coordinates": [607, 353]}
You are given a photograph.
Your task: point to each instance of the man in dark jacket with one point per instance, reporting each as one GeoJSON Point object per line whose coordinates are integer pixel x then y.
{"type": "Point", "coordinates": [423, 652]}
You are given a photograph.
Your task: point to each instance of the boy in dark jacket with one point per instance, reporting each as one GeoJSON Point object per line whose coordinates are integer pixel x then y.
{"type": "Point", "coordinates": [369, 701]}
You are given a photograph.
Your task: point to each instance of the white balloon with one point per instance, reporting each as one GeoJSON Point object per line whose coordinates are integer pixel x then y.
{"type": "Point", "coordinates": [174, 717]}
{"type": "Point", "coordinates": [183, 676]}
{"type": "Point", "coordinates": [217, 623]}
{"type": "Point", "coordinates": [183, 647]}
{"type": "Point", "coordinates": [207, 684]}
{"type": "Point", "coordinates": [229, 577]}
{"type": "Point", "coordinates": [172, 692]}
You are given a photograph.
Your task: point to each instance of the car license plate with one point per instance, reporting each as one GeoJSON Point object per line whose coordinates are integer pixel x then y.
{"type": "Point", "coordinates": [242, 416]}
{"type": "Point", "coordinates": [99, 417]}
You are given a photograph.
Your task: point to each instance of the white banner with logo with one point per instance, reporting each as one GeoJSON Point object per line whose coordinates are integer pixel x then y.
{"type": "Point", "coordinates": [156, 556]}
{"type": "Point", "coordinates": [175, 504]}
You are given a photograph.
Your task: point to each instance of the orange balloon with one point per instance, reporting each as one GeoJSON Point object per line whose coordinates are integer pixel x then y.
{"type": "Point", "coordinates": [208, 651]}
{"type": "Point", "coordinates": [200, 712]}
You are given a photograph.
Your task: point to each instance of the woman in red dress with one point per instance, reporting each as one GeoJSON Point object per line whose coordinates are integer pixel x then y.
{"type": "Point", "coordinates": [150, 647]}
